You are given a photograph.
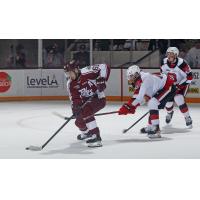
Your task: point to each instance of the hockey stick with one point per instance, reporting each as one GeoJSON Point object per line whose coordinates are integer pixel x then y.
{"type": "Point", "coordinates": [106, 113]}
{"type": "Point", "coordinates": [161, 106]}
{"type": "Point", "coordinates": [98, 114]}
{"type": "Point", "coordinates": [126, 130]}
{"type": "Point", "coordinates": [37, 148]}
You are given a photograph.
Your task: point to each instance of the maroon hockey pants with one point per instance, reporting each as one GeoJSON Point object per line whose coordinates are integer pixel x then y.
{"type": "Point", "coordinates": [85, 120]}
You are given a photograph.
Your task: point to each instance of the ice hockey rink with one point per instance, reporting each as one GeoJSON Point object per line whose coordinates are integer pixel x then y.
{"type": "Point", "coordinates": [32, 123]}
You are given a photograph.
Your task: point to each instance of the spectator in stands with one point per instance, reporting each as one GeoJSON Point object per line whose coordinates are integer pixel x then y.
{"type": "Point", "coordinates": [128, 45]}
{"type": "Point", "coordinates": [20, 56]}
{"type": "Point", "coordinates": [120, 47]}
{"type": "Point", "coordinates": [193, 55]}
{"type": "Point", "coordinates": [96, 47]}
{"type": "Point", "coordinates": [118, 44]}
{"type": "Point", "coordinates": [82, 56]}
{"type": "Point", "coordinates": [54, 58]}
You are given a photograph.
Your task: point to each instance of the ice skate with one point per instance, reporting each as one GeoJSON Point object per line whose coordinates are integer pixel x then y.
{"type": "Point", "coordinates": [83, 136]}
{"type": "Point", "coordinates": [188, 121]}
{"type": "Point", "coordinates": [145, 130]}
{"type": "Point", "coordinates": [94, 141]}
{"type": "Point", "coordinates": [169, 117]}
{"type": "Point", "coordinates": [154, 132]}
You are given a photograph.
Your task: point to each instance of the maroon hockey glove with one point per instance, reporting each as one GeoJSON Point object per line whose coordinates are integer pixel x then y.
{"type": "Point", "coordinates": [101, 84]}
{"type": "Point", "coordinates": [127, 109]}
{"type": "Point", "coordinates": [76, 106]}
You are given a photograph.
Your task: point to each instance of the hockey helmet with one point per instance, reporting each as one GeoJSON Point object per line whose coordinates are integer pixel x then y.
{"type": "Point", "coordinates": [71, 66]}
{"type": "Point", "coordinates": [133, 72]}
{"type": "Point", "coordinates": [173, 50]}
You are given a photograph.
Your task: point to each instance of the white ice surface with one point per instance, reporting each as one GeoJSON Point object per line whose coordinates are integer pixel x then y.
{"type": "Point", "coordinates": [32, 123]}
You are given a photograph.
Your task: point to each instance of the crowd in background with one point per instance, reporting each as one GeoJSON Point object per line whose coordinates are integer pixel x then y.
{"type": "Point", "coordinates": [54, 51]}
{"type": "Point", "coordinates": [53, 55]}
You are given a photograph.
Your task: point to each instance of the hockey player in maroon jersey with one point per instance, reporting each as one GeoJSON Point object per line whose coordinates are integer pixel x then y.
{"type": "Point", "coordinates": [87, 85]}
{"type": "Point", "coordinates": [155, 90]}
{"type": "Point", "coordinates": [173, 64]}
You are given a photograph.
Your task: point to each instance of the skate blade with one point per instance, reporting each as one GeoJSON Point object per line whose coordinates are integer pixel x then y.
{"type": "Point", "coordinates": [95, 144]}
{"type": "Point", "coordinates": [190, 126]}
{"type": "Point", "coordinates": [154, 136]}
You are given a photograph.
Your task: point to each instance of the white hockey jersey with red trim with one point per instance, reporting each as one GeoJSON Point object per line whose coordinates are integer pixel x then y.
{"type": "Point", "coordinates": [150, 85]}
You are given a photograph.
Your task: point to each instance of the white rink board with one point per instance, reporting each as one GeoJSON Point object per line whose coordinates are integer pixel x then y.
{"type": "Point", "coordinates": [17, 83]}
{"type": "Point", "coordinates": [29, 77]}
{"type": "Point", "coordinates": [52, 82]}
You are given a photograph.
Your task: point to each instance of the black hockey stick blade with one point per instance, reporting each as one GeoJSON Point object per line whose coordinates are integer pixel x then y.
{"type": "Point", "coordinates": [34, 148]}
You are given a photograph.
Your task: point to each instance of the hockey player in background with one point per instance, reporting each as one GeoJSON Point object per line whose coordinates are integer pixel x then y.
{"type": "Point", "coordinates": [173, 64]}
{"type": "Point", "coordinates": [87, 85]}
{"type": "Point", "coordinates": [155, 90]}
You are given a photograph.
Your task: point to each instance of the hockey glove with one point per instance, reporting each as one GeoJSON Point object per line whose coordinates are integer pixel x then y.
{"type": "Point", "coordinates": [127, 109]}
{"type": "Point", "coordinates": [76, 106]}
{"type": "Point", "coordinates": [182, 86]}
{"type": "Point", "coordinates": [101, 84]}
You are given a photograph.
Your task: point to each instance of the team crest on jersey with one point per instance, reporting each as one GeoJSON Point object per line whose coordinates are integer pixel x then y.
{"type": "Point", "coordinates": [85, 92]}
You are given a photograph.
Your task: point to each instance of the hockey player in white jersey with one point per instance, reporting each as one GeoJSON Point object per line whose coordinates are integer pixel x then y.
{"type": "Point", "coordinates": [152, 88]}
{"type": "Point", "coordinates": [173, 64]}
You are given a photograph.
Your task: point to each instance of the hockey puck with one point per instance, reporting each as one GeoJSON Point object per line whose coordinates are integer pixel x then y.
{"type": "Point", "coordinates": [27, 148]}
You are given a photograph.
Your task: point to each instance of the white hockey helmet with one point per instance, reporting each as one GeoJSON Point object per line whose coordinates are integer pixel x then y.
{"type": "Point", "coordinates": [173, 50]}
{"type": "Point", "coordinates": [132, 71]}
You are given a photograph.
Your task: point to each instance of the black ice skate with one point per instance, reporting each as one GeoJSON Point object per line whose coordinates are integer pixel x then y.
{"type": "Point", "coordinates": [145, 130]}
{"type": "Point", "coordinates": [83, 136]}
{"type": "Point", "coordinates": [188, 121]}
{"type": "Point", "coordinates": [154, 132]}
{"type": "Point", "coordinates": [169, 117]}
{"type": "Point", "coordinates": [94, 141]}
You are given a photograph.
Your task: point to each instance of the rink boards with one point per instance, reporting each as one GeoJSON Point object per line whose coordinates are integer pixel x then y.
{"type": "Point", "coordinates": [50, 84]}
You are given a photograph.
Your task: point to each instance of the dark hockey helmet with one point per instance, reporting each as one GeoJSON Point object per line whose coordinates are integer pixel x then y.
{"type": "Point", "coordinates": [71, 66]}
